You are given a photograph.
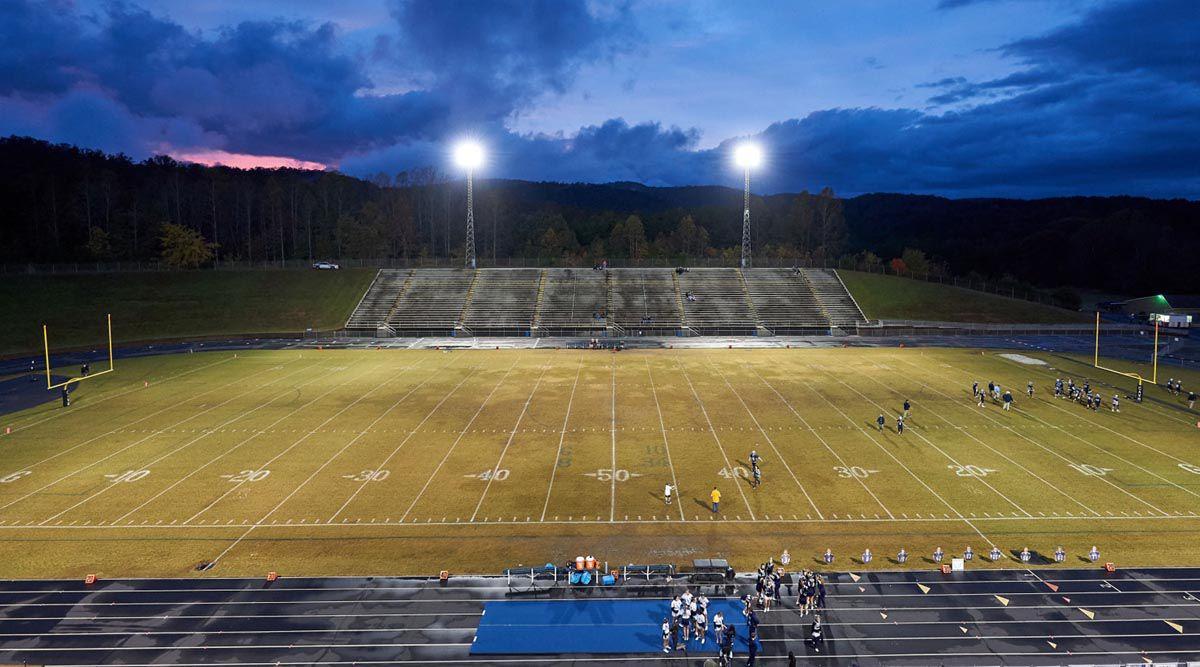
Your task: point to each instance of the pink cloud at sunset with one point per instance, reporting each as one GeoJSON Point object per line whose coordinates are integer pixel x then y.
{"type": "Point", "coordinates": [245, 161]}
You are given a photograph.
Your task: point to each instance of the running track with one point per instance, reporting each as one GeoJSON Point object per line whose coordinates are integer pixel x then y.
{"type": "Point", "coordinates": [1131, 616]}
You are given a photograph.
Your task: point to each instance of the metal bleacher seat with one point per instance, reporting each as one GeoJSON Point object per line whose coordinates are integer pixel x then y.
{"type": "Point", "coordinates": [644, 300]}
{"type": "Point", "coordinates": [573, 302]}
{"type": "Point", "coordinates": [372, 311]}
{"type": "Point", "coordinates": [784, 301]}
{"type": "Point", "coordinates": [720, 304]}
{"type": "Point", "coordinates": [432, 303]}
{"type": "Point", "coordinates": [502, 302]}
{"type": "Point", "coordinates": [840, 307]}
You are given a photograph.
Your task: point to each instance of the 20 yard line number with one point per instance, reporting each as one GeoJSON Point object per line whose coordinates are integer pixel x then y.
{"type": "Point", "coordinates": [970, 470]}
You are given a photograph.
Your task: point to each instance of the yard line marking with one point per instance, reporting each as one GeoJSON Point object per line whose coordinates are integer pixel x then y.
{"type": "Point", "coordinates": [100, 399]}
{"type": "Point", "coordinates": [511, 436]}
{"type": "Point", "coordinates": [663, 427]}
{"type": "Point", "coordinates": [767, 437]}
{"type": "Point", "coordinates": [612, 499]}
{"type": "Point", "coordinates": [457, 440]}
{"type": "Point", "coordinates": [141, 419]}
{"type": "Point", "coordinates": [304, 437]}
{"type": "Point", "coordinates": [996, 451]}
{"type": "Point", "coordinates": [1049, 450]}
{"type": "Point", "coordinates": [314, 473]}
{"type": "Point", "coordinates": [362, 485]}
{"type": "Point", "coordinates": [561, 436]}
{"type": "Point", "coordinates": [153, 433]}
{"type": "Point", "coordinates": [822, 440]}
{"type": "Point", "coordinates": [920, 481]}
{"type": "Point", "coordinates": [218, 457]}
{"type": "Point", "coordinates": [189, 443]}
{"type": "Point", "coordinates": [941, 451]}
{"type": "Point", "coordinates": [1110, 453]}
{"type": "Point", "coordinates": [716, 439]}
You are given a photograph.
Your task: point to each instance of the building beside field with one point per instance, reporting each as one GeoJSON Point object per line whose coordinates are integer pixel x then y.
{"type": "Point", "coordinates": [1171, 310]}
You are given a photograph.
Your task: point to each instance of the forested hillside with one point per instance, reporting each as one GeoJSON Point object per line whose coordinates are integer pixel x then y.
{"type": "Point", "coordinates": [63, 204]}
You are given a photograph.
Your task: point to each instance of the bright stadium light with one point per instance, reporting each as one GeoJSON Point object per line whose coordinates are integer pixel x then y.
{"type": "Point", "coordinates": [747, 156]}
{"type": "Point", "coordinates": [469, 155]}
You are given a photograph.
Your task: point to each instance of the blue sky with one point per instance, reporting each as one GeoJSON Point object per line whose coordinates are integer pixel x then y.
{"type": "Point", "coordinates": [1022, 98]}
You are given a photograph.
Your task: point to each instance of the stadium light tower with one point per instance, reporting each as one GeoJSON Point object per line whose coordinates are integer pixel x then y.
{"type": "Point", "coordinates": [469, 155]}
{"type": "Point", "coordinates": [747, 156]}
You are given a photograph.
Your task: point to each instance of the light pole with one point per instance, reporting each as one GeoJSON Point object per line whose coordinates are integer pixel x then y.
{"type": "Point", "coordinates": [747, 156]}
{"type": "Point", "coordinates": [469, 155]}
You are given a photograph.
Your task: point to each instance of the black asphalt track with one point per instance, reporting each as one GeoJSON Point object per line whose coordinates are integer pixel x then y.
{"type": "Point", "coordinates": [1008, 617]}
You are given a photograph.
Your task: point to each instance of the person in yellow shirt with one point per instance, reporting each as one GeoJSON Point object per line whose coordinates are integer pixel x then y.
{"type": "Point", "coordinates": [716, 500]}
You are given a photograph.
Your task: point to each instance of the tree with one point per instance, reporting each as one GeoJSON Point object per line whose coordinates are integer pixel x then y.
{"type": "Point", "coordinates": [98, 246]}
{"type": "Point", "coordinates": [184, 248]}
{"type": "Point", "coordinates": [898, 266]}
{"type": "Point", "coordinates": [630, 236]}
{"type": "Point", "coordinates": [688, 239]}
{"type": "Point", "coordinates": [915, 261]}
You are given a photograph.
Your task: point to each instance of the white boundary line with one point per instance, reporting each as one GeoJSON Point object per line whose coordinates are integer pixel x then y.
{"type": "Point", "coordinates": [936, 448]}
{"type": "Point", "coordinates": [141, 419]}
{"type": "Point", "coordinates": [612, 429]}
{"type": "Point", "coordinates": [822, 440]}
{"type": "Point", "coordinates": [663, 428]}
{"type": "Point", "coordinates": [883, 449]}
{"type": "Point", "coordinates": [562, 436]}
{"type": "Point", "coordinates": [257, 433]}
{"type": "Point", "coordinates": [457, 440]}
{"type": "Point", "coordinates": [358, 436]}
{"type": "Point", "coordinates": [363, 485]}
{"type": "Point", "coordinates": [717, 439]}
{"type": "Point", "coordinates": [100, 399]}
{"type": "Point", "coordinates": [1102, 449]}
{"type": "Point", "coordinates": [158, 431]}
{"type": "Point", "coordinates": [511, 436]}
{"type": "Point", "coordinates": [1049, 450]}
{"type": "Point", "coordinates": [765, 435]}
{"type": "Point", "coordinates": [310, 433]}
{"type": "Point", "coordinates": [176, 450]}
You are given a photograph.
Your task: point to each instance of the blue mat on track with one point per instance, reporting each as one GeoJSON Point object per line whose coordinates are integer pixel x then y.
{"type": "Point", "coordinates": [590, 626]}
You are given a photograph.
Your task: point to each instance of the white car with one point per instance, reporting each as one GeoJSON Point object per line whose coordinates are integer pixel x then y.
{"type": "Point", "coordinates": [326, 266]}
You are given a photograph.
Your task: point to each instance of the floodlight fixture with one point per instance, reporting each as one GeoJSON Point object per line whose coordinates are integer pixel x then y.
{"type": "Point", "coordinates": [468, 155]}
{"type": "Point", "coordinates": [748, 155]}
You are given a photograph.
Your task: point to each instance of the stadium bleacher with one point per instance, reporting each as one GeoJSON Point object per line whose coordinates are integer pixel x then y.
{"type": "Point", "coordinates": [573, 302]}
{"type": "Point", "coordinates": [584, 302]}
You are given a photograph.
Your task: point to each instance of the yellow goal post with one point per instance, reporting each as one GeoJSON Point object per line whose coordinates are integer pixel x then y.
{"type": "Point", "coordinates": [1153, 379]}
{"type": "Point", "coordinates": [46, 344]}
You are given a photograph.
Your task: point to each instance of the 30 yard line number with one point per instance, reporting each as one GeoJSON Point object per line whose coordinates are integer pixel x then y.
{"type": "Point", "coordinates": [851, 472]}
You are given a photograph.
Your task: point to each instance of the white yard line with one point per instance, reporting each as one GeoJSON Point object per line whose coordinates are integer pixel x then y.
{"type": "Point", "coordinates": [152, 434]}
{"type": "Point", "coordinates": [140, 419]}
{"type": "Point", "coordinates": [817, 435]}
{"type": "Point", "coordinates": [508, 443]}
{"type": "Point", "coordinates": [457, 440]}
{"type": "Point", "coordinates": [312, 432]}
{"type": "Point", "coordinates": [1101, 449]}
{"type": "Point", "coordinates": [358, 436]}
{"type": "Point", "coordinates": [612, 498]}
{"type": "Point", "coordinates": [383, 465]}
{"type": "Point", "coordinates": [172, 452]}
{"type": "Point", "coordinates": [778, 454]}
{"type": "Point", "coordinates": [562, 436]}
{"type": "Point", "coordinates": [100, 399]}
{"type": "Point", "coordinates": [1049, 450]}
{"type": "Point", "coordinates": [717, 439]}
{"type": "Point", "coordinates": [252, 436]}
{"type": "Point", "coordinates": [939, 450]}
{"type": "Point", "coordinates": [900, 463]}
{"type": "Point", "coordinates": [663, 428]}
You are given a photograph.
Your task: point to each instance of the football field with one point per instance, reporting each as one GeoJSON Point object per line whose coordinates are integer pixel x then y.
{"type": "Point", "coordinates": [340, 462]}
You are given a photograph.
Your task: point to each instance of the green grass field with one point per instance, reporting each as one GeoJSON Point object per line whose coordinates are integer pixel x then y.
{"type": "Point", "coordinates": [896, 298]}
{"type": "Point", "coordinates": [402, 462]}
{"type": "Point", "coordinates": [161, 306]}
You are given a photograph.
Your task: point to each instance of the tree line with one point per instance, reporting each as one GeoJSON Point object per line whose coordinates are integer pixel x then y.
{"type": "Point", "coordinates": [66, 204]}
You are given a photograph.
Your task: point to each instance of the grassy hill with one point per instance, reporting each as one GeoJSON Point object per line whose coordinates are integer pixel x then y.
{"type": "Point", "coordinates": [896, 298]}
{"type": "Point", "coordinates": [149, 306]}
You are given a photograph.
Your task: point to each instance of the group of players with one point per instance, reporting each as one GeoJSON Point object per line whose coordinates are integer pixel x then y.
{"type": "Point", "coordinates": [689, 620]}
{"type": "Point", "coordinates": [1084, 395]}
